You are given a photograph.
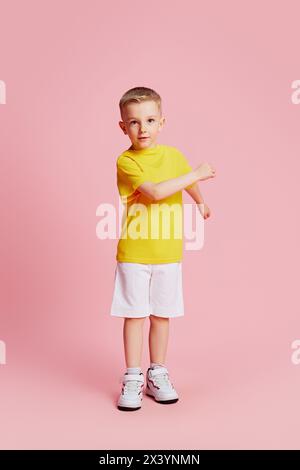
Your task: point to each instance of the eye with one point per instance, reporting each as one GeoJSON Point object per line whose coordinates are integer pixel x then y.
{"type": "Point", "coordinates": [134, 122]}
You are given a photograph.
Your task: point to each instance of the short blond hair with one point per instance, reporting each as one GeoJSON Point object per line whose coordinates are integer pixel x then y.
{"type": "Point", "coordinates": [139, 94]}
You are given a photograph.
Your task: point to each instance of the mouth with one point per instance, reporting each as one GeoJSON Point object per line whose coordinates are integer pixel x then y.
{"type": "Point", "coordinates": [143, 138]}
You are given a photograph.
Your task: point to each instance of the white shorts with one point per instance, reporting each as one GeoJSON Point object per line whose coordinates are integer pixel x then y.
{"type": "Point", "coordinates": [142, 290]}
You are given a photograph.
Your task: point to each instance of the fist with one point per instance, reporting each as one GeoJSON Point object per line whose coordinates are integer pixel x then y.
{"type": "Point", "coordinates": [205, 171]}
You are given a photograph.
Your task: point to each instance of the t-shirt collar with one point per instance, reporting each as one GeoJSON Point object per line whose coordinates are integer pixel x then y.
{"type": "Point", "coordinates": [144, 151]}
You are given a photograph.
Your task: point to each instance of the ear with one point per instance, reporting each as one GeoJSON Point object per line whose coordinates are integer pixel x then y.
{"type": "Point", "coordinates": [162, 123]}
{"type": "Point", "coordinates": [122, 125]}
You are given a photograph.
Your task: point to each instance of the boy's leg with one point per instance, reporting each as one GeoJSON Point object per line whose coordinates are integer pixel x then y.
{"type": "Point", "coordinates": [133, 341]}
{"type": "Point", "coordinates": [159, 385]}
{"type": "Point", "coordinates": [158, 339]}
{"type": "Point", "coordinates": [131, 395]}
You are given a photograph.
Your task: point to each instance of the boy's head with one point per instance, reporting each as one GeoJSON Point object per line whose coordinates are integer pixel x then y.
{"type": "Point", "coordinates": [141, 112]}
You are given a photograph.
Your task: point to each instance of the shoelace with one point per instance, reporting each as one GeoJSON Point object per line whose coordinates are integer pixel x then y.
{"type": "Point", "coordinates": [130, 385]}
{"type": "Point", "coordinates": [162, 380]}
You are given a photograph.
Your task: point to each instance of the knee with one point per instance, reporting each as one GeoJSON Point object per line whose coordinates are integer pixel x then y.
{"type": "Point", "coordinates": [135, 320]}
{"type": "Point", "coordinates": [156, 319]}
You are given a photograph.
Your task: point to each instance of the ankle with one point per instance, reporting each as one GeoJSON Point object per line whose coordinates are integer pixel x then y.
{"type": "Point", "coordinates": [153, 365]}
{"type": "Point", "coordinates": [133, 370]}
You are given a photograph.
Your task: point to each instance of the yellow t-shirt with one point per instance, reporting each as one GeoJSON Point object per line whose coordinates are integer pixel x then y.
{"type": "Point", "coordinates": [152, 232]}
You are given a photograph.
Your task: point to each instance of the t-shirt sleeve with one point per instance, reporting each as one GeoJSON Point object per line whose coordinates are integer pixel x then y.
{"type": "Point", "coordinates": [184, 166]}
{"type": "Point", "coordinates": [130, 170]}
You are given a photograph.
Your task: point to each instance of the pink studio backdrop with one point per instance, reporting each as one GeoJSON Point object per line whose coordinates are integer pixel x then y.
{"type": "Point", "coordinates": [224, 71]}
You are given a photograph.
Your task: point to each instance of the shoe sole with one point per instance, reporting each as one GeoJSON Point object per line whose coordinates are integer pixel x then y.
{"type": "Point", "coordinates": [126, 408]}
{"type": "Point", "coordinates": [163, 402]}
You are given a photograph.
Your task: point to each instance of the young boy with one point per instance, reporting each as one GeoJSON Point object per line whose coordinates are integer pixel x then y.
{"type": "Point", "coordinates": [148, 274]}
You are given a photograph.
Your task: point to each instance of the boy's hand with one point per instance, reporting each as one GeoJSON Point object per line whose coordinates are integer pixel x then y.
{"type": "Point", "coordinates": [204, 210]}
{"type": "Point", "coordinates": [205, 171]}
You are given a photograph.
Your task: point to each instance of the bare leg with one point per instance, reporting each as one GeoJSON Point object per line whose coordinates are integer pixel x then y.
{"type": "Point", "coordinates": [158, 338]}
{"type": "Point", "coordinates": [133, 341]}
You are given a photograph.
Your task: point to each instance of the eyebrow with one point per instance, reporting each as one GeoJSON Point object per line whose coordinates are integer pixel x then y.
{"type": "Point", "coordinates": [137, 118]}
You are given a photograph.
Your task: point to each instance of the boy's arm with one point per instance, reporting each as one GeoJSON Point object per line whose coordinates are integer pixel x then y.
{"type": "Point", "coordinates": [157, 191]}
{"type": "Point", "coordinates": [194, 192]}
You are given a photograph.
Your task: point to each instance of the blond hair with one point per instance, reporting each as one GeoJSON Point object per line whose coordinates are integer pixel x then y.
{"type": "Point", "coordinates": [139, 94]}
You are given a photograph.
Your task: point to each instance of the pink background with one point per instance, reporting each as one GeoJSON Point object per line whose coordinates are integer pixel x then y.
{"type": "Point", "coordinates": [224, 71]}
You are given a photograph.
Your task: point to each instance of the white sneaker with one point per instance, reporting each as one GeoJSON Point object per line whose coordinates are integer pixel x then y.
{"type": "Point", "coordinates": [131, 395]}
{"type": "Point", "coordinates": [159, 386]}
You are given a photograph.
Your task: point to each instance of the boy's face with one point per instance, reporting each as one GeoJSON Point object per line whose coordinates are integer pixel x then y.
{"type": "Point", "coordinates": [142, 120]}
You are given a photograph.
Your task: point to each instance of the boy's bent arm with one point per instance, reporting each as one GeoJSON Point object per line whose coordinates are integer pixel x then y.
{"type": "Point", "coordinates": [194, 192]}
{"type": "Point", "coordinates": [157, 191]}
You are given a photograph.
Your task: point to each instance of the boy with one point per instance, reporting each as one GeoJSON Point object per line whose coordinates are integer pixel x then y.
{"type": "Point", "coordinates": [148, 275]}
